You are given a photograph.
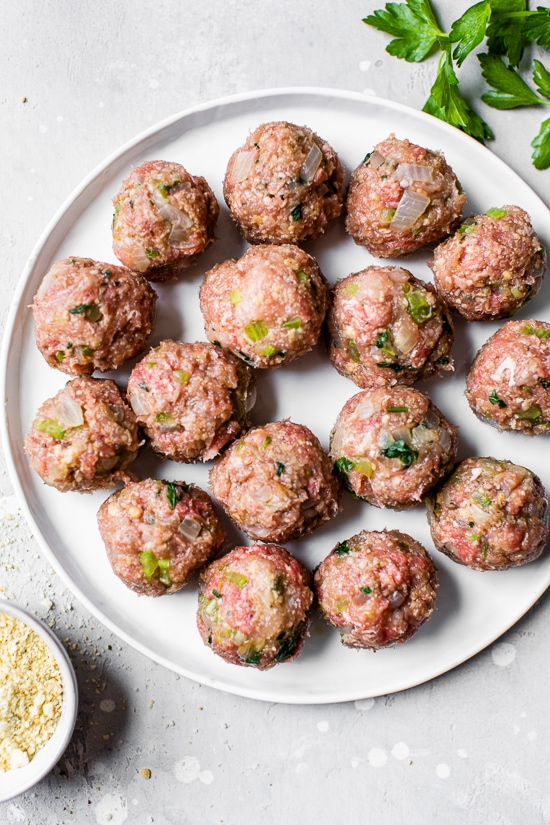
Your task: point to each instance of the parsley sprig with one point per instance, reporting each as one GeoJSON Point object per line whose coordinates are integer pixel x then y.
{"type": "Point", "coordinates": [507, 27]}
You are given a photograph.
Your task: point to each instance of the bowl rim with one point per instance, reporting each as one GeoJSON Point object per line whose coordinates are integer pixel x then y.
{"type": "Point", "coordinates": [17, 781]}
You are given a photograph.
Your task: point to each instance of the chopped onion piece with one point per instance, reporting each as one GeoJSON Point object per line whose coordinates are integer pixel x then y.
{"type": "Point", "coordinates": [190, 527]}
{"type": "Point", "coordinates": [137, 405]}
{"type": "Point", "coordinates": [402, 434]}
{"type": "Point", "coordinates": [410, 208]}
{"type": "Point", "coordinates": [241, 166]}
{"type": "Point", "coordinates": [376, 159]}
{"type": "Point", "coordinates": [258, 532]}
{"type": "Point", "coordinates": [431, 419]}
{"type": "Point", "coordinates": [396, 599]}
{"type": "Point", "coordinates": [365, 409]}
{"type": "Point", "coordinates": [311, 164]}
{"type": "Point", "coordinates": [405, 334]}
{"type": "Point", "coordinates": [414, 172]}
{"type": "Point", "coordinates": [445, 439]}
{"type": "Point", "coordinates": [479, 515]}
{"type": "Point", "coordinates": [139, 260]}
{"type": "Point", "coordinates": [67, 411]}
{"type": "Point", "coordinates": [250, 399]}
{"type": "Point", "coordinates": [422, 436]}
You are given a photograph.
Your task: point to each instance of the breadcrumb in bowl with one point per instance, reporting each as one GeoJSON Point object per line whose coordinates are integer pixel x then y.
{"type": "Point", "coordinates": [17, 780]}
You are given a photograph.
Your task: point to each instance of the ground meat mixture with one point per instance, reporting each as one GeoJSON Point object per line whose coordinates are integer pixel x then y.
{"type": "Point", "coordinates": [84, 437]}
{"type": "Point", "coordinates": [508, 384]}
{"type": "Point", "coordinates": [268, 307]}
{"type": "Point", "coordinates": [388, 327]}
{"type": "Point", "coordinates": [191, 399]}
{"type": "Point", "coordinates": [402, 197]}
{"type": "Point", "coordinates": [489, 515]}
{"type": "Point", "coordinates": [91, 316]}
{"type": "Point", "coordinates": [276, 482]}
{"type": "Point", "coordinates": [253, 606]}
{"type": "Point", "coordinates": [376, 588]}
{"type": "Point", "coordinates": [164, 218]}
{"type": "Point", "coordinates": [492, 265]}
{"type": "Point", "coordinates": [284, 185]}
{"type": "Point", "coordinates": [158, 534]}
{"type": "Point", "coordinates": [391, 445]}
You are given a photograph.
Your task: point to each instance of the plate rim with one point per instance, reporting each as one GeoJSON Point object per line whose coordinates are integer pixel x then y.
{"type": "Point", "coordinates": [278, 693]}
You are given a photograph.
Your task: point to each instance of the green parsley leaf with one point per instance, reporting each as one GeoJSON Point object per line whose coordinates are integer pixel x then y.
{"type": "Point", "coordinates": [173, 494]}
{"type": "Point", "coordinates": [510, 89]}
{"type": "Point", "coordinates": [542, 78]}
{"type": "Point", "coordinates": [469, 30]}
{"type": "Point", "coordinates": [341, 549]}
{"type": "Point", "coordinates": [413, 25]}
{"type": "Point", "coordinates": [536, 27]}
{"type": "Point", "coordinates": [401, 450]}
{"type": "Point", "coordinates": [343, 464]}
{"type": "Point", "coordinates": [280, 468]}
{"type": "Point", "coordinates": [494, 399]}
{"type": "Point", "coordinates": [504, 35]}
{"type": "Point", "coordinates": [446, 103]}
{"type": "Point", "coordinates": [366, 590]}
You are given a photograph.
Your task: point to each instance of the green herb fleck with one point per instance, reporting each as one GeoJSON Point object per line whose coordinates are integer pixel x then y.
{"type": "Point", "coordinates": [174, 493]}
{"type": "Point", "coordinates": [51, 427]}
{"type": "Point", "coordinates": [418, 307]}
{"type": "Point", "coordinates": [90, 311]}
{"type": "Point", "coordinates": [216, 594]}
{"type": "Point", "coordinates": [280, 468]}
{"type": "Point", "coordinates": [494, 399]}
{"type": "Point", "coordinates": [266, 442]}
{"type": "Point", "coordinates": [152, 253]}
{"type": "Point", "coordinates": [531, 414]}
{"type": "Point", "coordinates": [182, 376]}
{"type": "Point", "coordinates": [256, 330]}
{"type": "Point", "coordinates": [397, 409]}
{"type": "Point", "coordinates": [389, 365]}
{"type": "Point", "coordinates": [366, 590]}
{"type": "Point", "coordinates": [496, 213]}
{"type": "Point", "coordinates": [236, 578]}
{"type": "Point", "coordinates": [401, 450]}
{"type": "Point", "coordinates": [60, 356]}
{"type": "Point", "coordinates": [343, 464]}
{"type": "Point", "coordinates": [341, 549]}
{"type": "Point", "coordinates": [296, 213]}
{"type": "Point", "coordinates": [292, 323]}
{"type": "Point", "coordinates": [353, 351]}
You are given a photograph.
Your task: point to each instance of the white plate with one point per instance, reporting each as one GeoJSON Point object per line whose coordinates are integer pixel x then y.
{"type": "Point", "coordinates": [473, 608]}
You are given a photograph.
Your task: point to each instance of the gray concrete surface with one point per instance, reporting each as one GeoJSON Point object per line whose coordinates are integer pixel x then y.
{"type": "Point", "coordinates": [78, 79]}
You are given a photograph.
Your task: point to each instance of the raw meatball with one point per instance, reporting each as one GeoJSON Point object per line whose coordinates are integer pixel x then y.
{"type": "Point", "coordinates": [402, 197]}
{"type": "Point", "coordinates": [276, 482]}
{"type": "Point", "coordinates": [253, 606]}
{"type": "Point", "coordinates": [158, 534]}
{"type": "Point", "coordinates": [268, 307]}
{"type": "Point", "coordinates": [84, 437]}
{"type": "Point", "coordinates": [376, 588]}
{"type": "Point", "coordinates": [392, 445]}
{"type": "Point", "coordinates": [489, 515]}
{"type": "Point", "coordinates": [164, 218]}
{"type": "Point", "coordinates": [388, 327]}
{"type": "Point", "coordinates": [90, 315]}
{"type": "Point", "coordinates": [492, 265]}
{"type": "Point", "coordinates": [284, 184]}
{"type": "Point", "coordinates": [508, 384]}
{"type": "Point", "coordinates": [191, 399]}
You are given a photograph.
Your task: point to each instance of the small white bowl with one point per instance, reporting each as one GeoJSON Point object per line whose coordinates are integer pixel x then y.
{"type": "Point", "coordinates": [19, 780]}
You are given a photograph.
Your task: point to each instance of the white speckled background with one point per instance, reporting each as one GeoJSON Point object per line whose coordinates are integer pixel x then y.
{"type": "Point", "coordinates": [471, 746]}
